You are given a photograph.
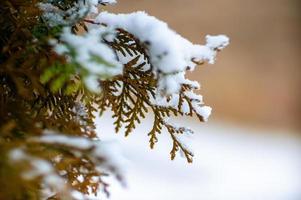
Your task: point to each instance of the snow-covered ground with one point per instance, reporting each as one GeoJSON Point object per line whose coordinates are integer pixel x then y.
{"type": "Point", "coordinates": [230, 163]}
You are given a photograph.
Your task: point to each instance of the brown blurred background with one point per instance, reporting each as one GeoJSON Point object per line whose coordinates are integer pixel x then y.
{"type": "Point", "coordinates": [256, 80]}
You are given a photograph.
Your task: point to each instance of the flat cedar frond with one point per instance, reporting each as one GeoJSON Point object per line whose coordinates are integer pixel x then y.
{"type": "Point", "coordinates": [54, 78]}
{"type": "Point", "coordinates": [127, 44]}
{"type": "Point", "coordinates": [77, 160]}
{"type": "Point", "coordinates": [59, 109]}
{"type": "Point", "coordinates": [128, 96]}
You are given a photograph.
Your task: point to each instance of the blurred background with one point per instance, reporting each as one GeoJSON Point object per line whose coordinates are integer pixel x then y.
{"type": "Point", "coordinates": [257, 79]}
{"type": "Point", "coordinates": [250, 149]}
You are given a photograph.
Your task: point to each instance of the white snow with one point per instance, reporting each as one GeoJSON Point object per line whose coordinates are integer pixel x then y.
{"type": "Point", "coordinates": [39, 167]}
{"type": "Point", "coordinates": [169, 51]}
{"type": "Point", "coordinates": [115, 162]}
{"type": "Point", "coordinates": [108, 1]}
{"type": "Point", "coordinates": [59, 139]}
{"type": "Point", "coordinates": [105, 154]}
{"type": "Point", "coordinates": [217, 42]}
{"type": "Point", "coordinates": [185, 108]}
{"type": "Point", "coordinates": [170, 54]}
{"type": "Point", "coordinates": [230, 163]}
{"type": "Point", "coordinates": [91, 54]}
{"type": "Point", "coordinates": [193, 96]}
{"type": "Point", "coordinates": [204, 111]}
{"type": "Point", "coordinates": [55, 16]}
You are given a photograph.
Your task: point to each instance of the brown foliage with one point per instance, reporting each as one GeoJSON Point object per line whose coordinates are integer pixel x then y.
{"type": "Point", "coordinates": [28, 107]}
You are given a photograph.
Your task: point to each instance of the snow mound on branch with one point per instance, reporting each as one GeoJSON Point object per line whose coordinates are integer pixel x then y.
{"type": "Point", "coordinates": [170, 53]}
{"type": "Point", "coordinates": [105, 154]}
{"type": "Point", "coordinates": [217, 42]}
{"type": "Point", "coordinates": [107, 1]}
{"type": "Point", "coordinates": [54, 16]}
{"type": "Point", "coordinates": [39, 167]}
{"type": "Point", "coordinates": [90, 53]}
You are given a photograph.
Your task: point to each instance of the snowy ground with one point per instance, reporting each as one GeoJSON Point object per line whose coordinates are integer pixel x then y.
{"type": "Point", "coordinates": [230, 163]}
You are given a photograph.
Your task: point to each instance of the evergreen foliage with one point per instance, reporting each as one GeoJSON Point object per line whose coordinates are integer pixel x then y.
{"type": "Point", "coordinates": [43, 93]}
